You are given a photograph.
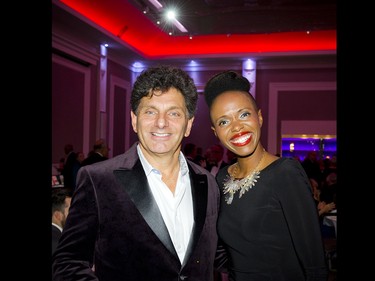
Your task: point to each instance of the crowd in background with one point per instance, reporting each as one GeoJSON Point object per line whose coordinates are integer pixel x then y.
{"type": "Point", "coordinates": [73, 160]}
{"type": "Point", "coordinates": [322, 173]}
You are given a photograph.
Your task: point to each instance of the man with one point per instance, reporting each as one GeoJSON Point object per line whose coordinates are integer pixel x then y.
{"type": "Point", "coordinates": [147, 214]}
{"type": "Point", "coordinates": [67, 172]}
{"type": "Point", "coordinates": [190, 151]}
{"type": "Point", "coordinates": [215, 161]}
{"type": "Point", "coordinates": [60, 208]}
{"type": "Point", "coordinates": [99, 153]}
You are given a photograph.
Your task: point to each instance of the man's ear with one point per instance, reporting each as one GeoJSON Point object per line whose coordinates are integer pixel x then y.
{"type": "Point", "coordinates": [189, 127]}
{"type": "Point", "coordinates": [57, 215]}
{"type": "Point", "coordinates": [134, 120]}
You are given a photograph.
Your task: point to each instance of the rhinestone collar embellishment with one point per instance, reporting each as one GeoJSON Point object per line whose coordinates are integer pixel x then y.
{"type": "Point", "coordinates": [232, 185]}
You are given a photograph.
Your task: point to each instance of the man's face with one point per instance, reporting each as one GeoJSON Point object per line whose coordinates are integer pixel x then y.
{"type": "Point", "coordinates": [162, 122]}
{"type": "Point", "coordinates": [66, 211]}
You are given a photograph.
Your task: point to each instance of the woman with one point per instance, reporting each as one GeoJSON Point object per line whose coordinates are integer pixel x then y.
{"type": "Point", "coordinates": [268, 220]}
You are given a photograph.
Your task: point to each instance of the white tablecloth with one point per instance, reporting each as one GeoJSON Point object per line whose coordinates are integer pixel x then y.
{"type": "Point", "coordinates": [331, 221]}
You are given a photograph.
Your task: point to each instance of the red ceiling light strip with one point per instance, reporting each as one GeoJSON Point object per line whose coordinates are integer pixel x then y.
{"type": "Point", "coordinates": [123, 20]}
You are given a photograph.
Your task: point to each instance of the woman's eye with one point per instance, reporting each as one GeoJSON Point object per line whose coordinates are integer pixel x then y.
{"type": "Point", "coordinates": [222, 123]}
{"type": "Point", "coordinates": [244, 115]}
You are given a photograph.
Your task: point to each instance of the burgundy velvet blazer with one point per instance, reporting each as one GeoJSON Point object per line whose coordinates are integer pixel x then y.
{"type": "Point", "coordinates": [114, 224]}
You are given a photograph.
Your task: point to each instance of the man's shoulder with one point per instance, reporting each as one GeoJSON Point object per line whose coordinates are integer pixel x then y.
{"type": "Point", "coordinates": [111, 163]}
{"type": "Point", "coordinates": [199, 169]}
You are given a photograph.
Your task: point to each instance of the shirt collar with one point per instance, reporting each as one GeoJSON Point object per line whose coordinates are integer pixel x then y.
{"type": "Point", "coordinates": [59, 227]}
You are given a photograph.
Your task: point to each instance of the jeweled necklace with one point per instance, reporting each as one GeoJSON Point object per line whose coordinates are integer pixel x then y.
{"type": "Point", "coordinates": [232, 185]}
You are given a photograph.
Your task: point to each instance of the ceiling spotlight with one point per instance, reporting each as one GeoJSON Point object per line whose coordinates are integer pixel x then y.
{"type": "Point", "coordinates": [171, 15]}
{"type": "Point", "coordinates": [156, 4]}
{"type": "Point", "coordinates": [146, 10]}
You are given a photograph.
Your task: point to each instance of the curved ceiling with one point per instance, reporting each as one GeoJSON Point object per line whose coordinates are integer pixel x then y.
{"type": "Point", "coordinates": [126, 21]}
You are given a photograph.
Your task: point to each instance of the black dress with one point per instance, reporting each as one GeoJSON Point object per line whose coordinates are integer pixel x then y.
{"type": "Point", "coordinates": [272, 232]}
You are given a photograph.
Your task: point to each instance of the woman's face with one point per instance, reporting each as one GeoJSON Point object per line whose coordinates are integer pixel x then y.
{"type": "Point", "coordinates": [236, 122]}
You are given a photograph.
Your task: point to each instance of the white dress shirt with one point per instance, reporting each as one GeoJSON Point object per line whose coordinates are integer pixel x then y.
{"type": "Point", "coordinates": [176, 209]}
{"type": "Point", "coordinates": [59, 227]}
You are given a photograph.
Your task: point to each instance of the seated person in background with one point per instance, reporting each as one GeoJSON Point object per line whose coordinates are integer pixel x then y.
{"type": "Point", "coordinates": [311, 165]}
{"type": "Point", "coordinates": [322, 206]}
{"type": "Point", "coordinates": [329, 188]}
{"type": "Point", "coordinates": [55, 171]}
{"type": "Point", "coordinates": [328, 197]}
{"type": "Point", "coordinates": [61, 165]}
{"type": "Point", "coordinates": [60, 208]}
{"type": "Point", "coordinates": [215, 161]}
{"type": "Point", "coordinates": [190, 151]}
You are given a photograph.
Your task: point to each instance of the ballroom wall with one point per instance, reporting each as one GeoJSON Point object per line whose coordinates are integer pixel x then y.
{"type": "Point", "coordinates": [82, 111]}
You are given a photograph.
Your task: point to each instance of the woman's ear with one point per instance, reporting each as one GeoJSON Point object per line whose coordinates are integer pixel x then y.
{"type": "Point", "coordinates": [260, 117]}
{"type": "Point", "coordinates": [213, 129]}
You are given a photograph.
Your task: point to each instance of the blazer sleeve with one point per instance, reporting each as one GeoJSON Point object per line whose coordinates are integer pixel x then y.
{"type": "Point", "coordinates": [73, 258]}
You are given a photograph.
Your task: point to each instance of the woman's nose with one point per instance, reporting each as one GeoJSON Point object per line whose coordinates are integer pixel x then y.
{"type": "Point", "coordinates": [236, 126]}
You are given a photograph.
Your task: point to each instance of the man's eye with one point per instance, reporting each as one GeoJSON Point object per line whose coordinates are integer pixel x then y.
{"type": "Point", "coordinates": [175, 114]}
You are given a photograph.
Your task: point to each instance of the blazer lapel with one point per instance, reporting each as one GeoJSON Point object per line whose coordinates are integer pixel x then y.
{"type": "Point", "coordinates": [199, 189]}
{"type": "Point", "coordinates": [136, 185]}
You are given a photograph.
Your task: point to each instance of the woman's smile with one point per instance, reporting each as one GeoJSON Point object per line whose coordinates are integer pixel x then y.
{"type": "Point", "coordinates": [241, 139]}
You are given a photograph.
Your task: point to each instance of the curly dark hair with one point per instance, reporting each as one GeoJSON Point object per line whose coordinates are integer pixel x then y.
{"type": "Point", "coordinates": [162, 78]}
{"type": "Point", "coordinates": [226, 81]}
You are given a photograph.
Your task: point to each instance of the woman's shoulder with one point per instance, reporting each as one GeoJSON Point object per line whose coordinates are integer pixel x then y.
{"type": "Point", "coordinates": [284, 166]}
{"type": "Point", "coordinates": [285, 162]}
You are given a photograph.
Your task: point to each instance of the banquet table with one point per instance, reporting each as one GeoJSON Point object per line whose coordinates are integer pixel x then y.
{"type": "Point", "coordinates": [331, 220]}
